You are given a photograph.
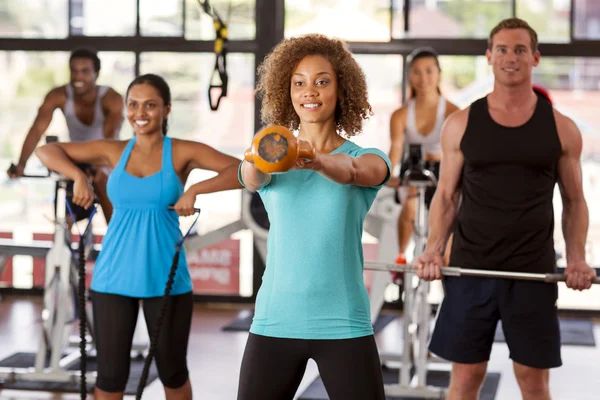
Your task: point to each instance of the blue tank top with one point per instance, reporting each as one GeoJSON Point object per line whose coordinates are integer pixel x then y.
{"type": "Point", "coordinates": [139, 245]}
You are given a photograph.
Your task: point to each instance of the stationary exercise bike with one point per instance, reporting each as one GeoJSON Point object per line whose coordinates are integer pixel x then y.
{"type": "Point", "coordinates": [57, 350]}
{"type": "Point", "coordinates": [417, 310]}
{"type": "Point", "coordinates": [53, 359]}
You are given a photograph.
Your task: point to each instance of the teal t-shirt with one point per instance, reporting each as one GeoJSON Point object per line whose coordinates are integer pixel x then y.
{"type": "Point", "coordinates": [313, 286]}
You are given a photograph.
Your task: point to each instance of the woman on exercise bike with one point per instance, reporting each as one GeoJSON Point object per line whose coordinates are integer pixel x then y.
{"type": "Point", "coordinates": [418, 122]}
{"type": "Point", "coordinates": [148, 176]}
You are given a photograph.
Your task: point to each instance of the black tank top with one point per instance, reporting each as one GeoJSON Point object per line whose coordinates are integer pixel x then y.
{"type": "Point", "coordinates": [506, 217]}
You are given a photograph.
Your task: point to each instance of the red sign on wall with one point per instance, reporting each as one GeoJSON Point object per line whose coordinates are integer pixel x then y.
{"type": "Point", "coordinates": [6, 277]}
{"type": "Point", "coordinates": [216, 269]}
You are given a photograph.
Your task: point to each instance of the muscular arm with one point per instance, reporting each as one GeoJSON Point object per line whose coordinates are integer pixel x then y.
{"type": "Point", "coordinates": [199, 155]}
{"type": "Point", "coordinates": [53, 100]}
{"type": "Point", "coordinates": [575, 217]}
{"type": "Point", "coordinates": [112, 105]}
{"type": "Point", "coordinates": [444, 205]}
{"type": "Point", "coordinates": [397, 126]}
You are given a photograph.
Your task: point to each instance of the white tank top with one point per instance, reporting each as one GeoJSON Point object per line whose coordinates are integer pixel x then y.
{"type": "Point", "coordinates": [78, 131]}
{"type": "Point", "coordinates": [430, 143]}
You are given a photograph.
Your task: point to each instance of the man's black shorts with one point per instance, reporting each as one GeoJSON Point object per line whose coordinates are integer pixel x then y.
{"type": "Point", "coordinates": [467, 319]}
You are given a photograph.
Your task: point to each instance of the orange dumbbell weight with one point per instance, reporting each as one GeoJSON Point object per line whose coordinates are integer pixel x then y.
{"type": "Point", "coordinates": [276, 149]}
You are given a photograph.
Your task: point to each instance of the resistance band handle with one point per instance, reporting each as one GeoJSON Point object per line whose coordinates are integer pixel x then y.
{"type": "Point", "coordinates": [195, 209]}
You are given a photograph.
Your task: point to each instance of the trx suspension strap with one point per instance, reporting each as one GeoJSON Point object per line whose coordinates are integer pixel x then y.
{"type": "Point", "coordinates": [221, 46]}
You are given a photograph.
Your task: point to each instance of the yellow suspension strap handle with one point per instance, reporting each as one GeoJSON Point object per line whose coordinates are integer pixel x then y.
{"type": "Point", "coordinates": [221, 46]}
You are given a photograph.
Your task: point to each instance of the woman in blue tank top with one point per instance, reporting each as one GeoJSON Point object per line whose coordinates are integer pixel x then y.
{"type": "Point", "coordinates": [313, 302]}
{"type": "Point", "coordinates": [149, 172]}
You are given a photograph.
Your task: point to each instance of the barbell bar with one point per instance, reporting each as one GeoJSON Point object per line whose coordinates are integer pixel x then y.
{"type": "Point", "coordinates": [457, 271]}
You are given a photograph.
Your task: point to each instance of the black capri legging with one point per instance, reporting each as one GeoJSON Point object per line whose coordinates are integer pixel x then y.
{"type": "Point", "coordinates": [272, 368]}
{"type": "Point", "coordinates": [115, 318]}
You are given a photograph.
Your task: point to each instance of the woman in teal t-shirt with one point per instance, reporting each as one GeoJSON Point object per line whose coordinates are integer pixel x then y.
{"type": "Point", "coordinates": [313, 302]}
{"type": "Point", "coordinates": [148, 176]}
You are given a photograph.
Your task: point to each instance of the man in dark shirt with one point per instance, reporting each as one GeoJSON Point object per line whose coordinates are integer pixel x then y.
{"type": "Point", "coordinates": [502, 157]}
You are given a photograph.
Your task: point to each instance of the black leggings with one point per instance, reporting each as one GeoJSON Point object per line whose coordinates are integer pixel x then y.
{"type": "Point", "coordinates": [115, 318]}
{"type": "Point", "coordinates": [272, 368]}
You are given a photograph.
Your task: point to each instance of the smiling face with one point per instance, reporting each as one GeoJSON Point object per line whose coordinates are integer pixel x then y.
{"type": "Point", "coordinates": [424, 75]}
{"type": "Point", "coordinates": [83, 75]}
{"type": "Point", "coordinates": [512, 57]}
{"type": "Point", "coordinates": [314, 89]}
{"type": "Point", "coordinates": [146, 109]}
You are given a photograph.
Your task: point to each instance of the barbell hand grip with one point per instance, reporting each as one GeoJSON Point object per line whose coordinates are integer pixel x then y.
{"type": "Point", "coordinates": [457, 271]}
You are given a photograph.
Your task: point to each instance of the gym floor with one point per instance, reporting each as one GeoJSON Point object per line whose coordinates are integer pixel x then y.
{"type": "Point", "coordinates": [215, 356]}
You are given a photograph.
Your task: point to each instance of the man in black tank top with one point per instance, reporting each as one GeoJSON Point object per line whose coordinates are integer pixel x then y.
{"type": "Point", "coordinates": [501, 160]}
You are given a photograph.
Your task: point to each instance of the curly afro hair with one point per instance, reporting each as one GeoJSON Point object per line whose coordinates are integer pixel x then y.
{"type": "Point", "coordinates": [275, 74]}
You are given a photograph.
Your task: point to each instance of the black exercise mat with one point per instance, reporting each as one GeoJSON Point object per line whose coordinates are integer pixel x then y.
{"type": "Point", "coordinates": [243, 322]}
{"type": "Point", "coordinates": [576, 332]}
{"type": "Point", "coordinates": [26, 360]}
{"type": "Point", "coordinates": [316, 390]}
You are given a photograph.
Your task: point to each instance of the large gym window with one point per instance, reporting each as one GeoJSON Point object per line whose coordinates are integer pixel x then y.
{"type": "Point", "coordinates": [161, 18]}
{"type": "Point", "coordinates": [238, 15]}
{"type": "Point", "coordinates": [550, 18]}
{"type": "Point", "coordinates": [587, 19]}
{"type": "Point", "coordinates": [465, 78]}
{"type": "Point", "coordinates": [352, 20]}
{"type": "Point", "coordinates": [384, 81]}
{"type": "Point", "coordinates": [88, 17]}
{"type": "Point", "coordinates": [34, 19]}
{"type": "Point", "coordinates": [450, 18]}
{"type": "Point", "coordinates": [27, 78]}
